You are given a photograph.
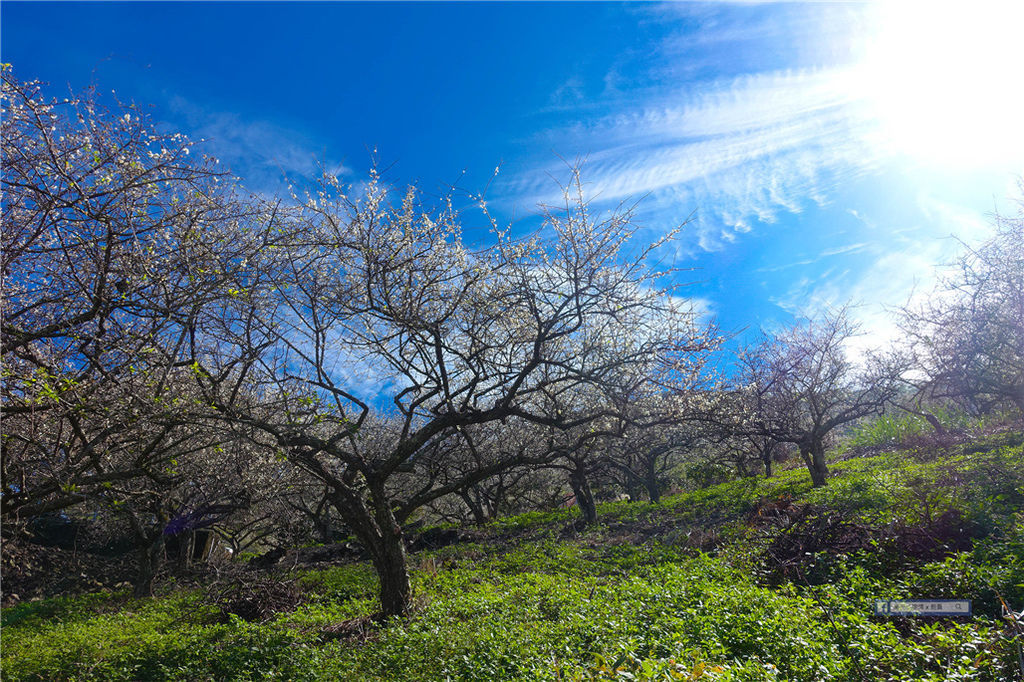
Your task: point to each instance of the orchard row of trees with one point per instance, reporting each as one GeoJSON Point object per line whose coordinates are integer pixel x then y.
{"type": "Point", "coordinates": [178, 355]}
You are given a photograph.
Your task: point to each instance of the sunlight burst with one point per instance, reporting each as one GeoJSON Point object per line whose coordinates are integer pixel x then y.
{"type": "Point", "coordinates": [944, 80]}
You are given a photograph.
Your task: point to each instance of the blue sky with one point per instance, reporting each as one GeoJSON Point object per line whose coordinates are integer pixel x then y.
{"type": "Point", "coordinates": [826, 152]}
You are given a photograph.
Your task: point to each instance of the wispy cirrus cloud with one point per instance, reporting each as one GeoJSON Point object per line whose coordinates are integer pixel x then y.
{"type": "Point", "coordinates": [894, 277]}
{"type": "Point", "coordinates": [260, 151]}
{"type": "Point", "coordinates": [740, 151]}
{"type": "Point", "coordinates": [826, 253]}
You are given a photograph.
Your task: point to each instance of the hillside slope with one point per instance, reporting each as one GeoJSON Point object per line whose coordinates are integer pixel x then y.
{"type": "Point", "coordinates": [754, 579]}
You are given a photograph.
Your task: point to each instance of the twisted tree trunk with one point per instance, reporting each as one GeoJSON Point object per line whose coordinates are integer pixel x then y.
{"type": "Point", "coordinates": [379, 532]}
{"type": "Point", "coordinates": [584, 496]}
{"type": "Point", "coordinates": [813, 453]}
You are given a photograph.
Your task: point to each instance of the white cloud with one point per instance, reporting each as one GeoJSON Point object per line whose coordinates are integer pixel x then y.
{"type": "Point", "coordinates": [569, 94]}
{"type": "Point", "coordinates": [893, 279]}
{"type": "Point", "coordinates": [259, 151]}
{"type": "Point", "coordinates": [704, 309]}
{"type": "Point", "coordinates": [849, 248]}
{"type": "Point", "coordinates": [740, 151]}
{"type": "Point", "coordinates": [957, 220]}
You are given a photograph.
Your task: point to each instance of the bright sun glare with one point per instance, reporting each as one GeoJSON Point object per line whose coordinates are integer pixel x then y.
{"type": "Point", "coordinates": [945, 80]}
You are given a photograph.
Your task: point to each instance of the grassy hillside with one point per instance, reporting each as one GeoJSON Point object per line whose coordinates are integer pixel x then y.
{"type": "Point", "coordinates": [752, 579]}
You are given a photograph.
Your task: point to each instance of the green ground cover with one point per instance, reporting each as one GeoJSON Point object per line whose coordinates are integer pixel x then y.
{"type": "Point", "coordinates": [690, 588]}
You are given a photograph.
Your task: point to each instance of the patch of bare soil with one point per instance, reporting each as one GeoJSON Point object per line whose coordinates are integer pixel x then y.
{"type": "Point", "coordinates": [355, 631]}
{"type": "Point", "coordinates": [31, 571]}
